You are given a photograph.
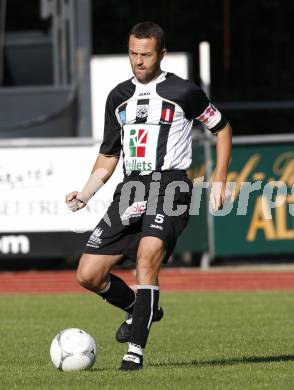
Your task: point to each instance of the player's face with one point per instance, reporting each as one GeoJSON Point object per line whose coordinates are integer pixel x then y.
{"type": "Point", "coordinates": [145, 59]}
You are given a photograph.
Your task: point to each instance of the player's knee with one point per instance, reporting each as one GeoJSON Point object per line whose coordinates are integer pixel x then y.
{"type": "Point", "coordinates": [84, 278]}
{"type": "Point", "coordinates": [149, 259]}
{"type": "Point", "coordinates": [89, 280]}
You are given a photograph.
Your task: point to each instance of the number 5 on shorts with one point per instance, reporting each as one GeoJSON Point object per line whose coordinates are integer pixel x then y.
{"type": "Point", "coordinates": [159, 218]}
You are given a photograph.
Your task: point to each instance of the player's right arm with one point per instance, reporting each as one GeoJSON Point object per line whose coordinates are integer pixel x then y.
{"type": "Point", "coordinates": [101, 172]}
{"type": "Point", "coordinates": [106, 161]}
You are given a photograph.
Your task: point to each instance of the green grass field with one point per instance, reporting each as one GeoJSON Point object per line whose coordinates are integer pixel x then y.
{"type": "Point", "coordinates": [206, 341]}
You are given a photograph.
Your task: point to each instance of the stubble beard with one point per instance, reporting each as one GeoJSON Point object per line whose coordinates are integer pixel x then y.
{"type": "Point", "coordinates": [146, 76]}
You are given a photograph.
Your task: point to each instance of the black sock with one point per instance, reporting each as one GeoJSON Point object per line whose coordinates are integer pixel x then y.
{"type": "Point", "coordinates": [145, 306]}
{"type": "Point", "coordinates": [119, 294]}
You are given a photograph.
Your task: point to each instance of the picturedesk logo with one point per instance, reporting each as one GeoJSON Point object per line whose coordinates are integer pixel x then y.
{"type": "Point", "coordinates": [138, 141]}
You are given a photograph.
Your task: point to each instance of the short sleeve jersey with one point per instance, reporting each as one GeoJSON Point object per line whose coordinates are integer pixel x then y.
{"type": "Point", "coordinates": [151, 123]}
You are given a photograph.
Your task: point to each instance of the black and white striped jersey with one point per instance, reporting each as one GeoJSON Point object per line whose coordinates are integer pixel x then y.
{"type": "Point", "coordinates": [151, 123]}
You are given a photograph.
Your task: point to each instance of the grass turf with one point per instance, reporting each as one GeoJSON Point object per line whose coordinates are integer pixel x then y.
{"type": "Point", "coordinates": [205, 341]}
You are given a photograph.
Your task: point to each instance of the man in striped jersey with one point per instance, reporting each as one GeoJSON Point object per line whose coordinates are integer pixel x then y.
{"type": "Point", "coordinates": [148, 119]}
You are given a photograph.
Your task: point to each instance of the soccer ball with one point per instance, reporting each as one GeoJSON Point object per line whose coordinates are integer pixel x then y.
{"type": "Point", "coordinates": [73, 349]}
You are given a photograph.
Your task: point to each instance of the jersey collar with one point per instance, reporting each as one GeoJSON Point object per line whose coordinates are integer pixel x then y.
{"type": "Point", "coordinates": [158, 79]}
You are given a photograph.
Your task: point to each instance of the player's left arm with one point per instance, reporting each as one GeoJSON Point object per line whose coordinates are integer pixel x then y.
{"type": "Point", "coordinates": [201, 109]}
{"type": "Point", "coordinates": [219, 181]}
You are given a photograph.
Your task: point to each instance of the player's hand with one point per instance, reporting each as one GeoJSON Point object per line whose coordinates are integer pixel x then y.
{"type": "Point", "coordinates": [218, 195]}
{"type": "Point", "coordinates": [74, 201]}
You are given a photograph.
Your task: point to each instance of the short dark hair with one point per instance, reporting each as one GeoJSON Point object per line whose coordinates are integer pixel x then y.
{"type": "Point", "coordinates": [149, 30]}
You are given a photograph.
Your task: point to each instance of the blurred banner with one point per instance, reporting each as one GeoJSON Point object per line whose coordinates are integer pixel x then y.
{"type": "Point", "coordinates": [33, 185]}
{"type": "Point", "coordinates": [267, 225]}
{"type": "Point", "coordinates": [260, 220]}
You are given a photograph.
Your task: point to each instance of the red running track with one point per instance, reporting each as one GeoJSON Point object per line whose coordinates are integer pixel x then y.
{"type": "Point", "coordinates": [176, 279]}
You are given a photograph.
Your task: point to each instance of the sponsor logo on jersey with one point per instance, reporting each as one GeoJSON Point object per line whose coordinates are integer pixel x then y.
{"type": "Point", "coordinates": [95, 240]}
{"type": "Point", "coordinates": [135, 210]}
{"type": "Point", "coordinates": [122, 116]}
{"type": "Point", "coordinates": [135, 165]}
{"type": "Point", "coordinates": [144, 94]}
{"type": "Point", "coordinates": [138, 141]}
{"type": "Point", "coordinates": [167, 115]}
{"type": "Point", "coordinates": [142, 111]}
{"type": "Point", "coordinates": [140, 147]}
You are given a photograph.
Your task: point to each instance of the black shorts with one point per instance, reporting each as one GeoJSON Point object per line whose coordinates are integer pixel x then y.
{"type": "Point", "coordinates": [151, 205]}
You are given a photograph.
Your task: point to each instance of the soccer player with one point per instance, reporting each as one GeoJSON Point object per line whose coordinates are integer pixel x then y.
{"type": "Point", "coordinates": [148, 119]}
